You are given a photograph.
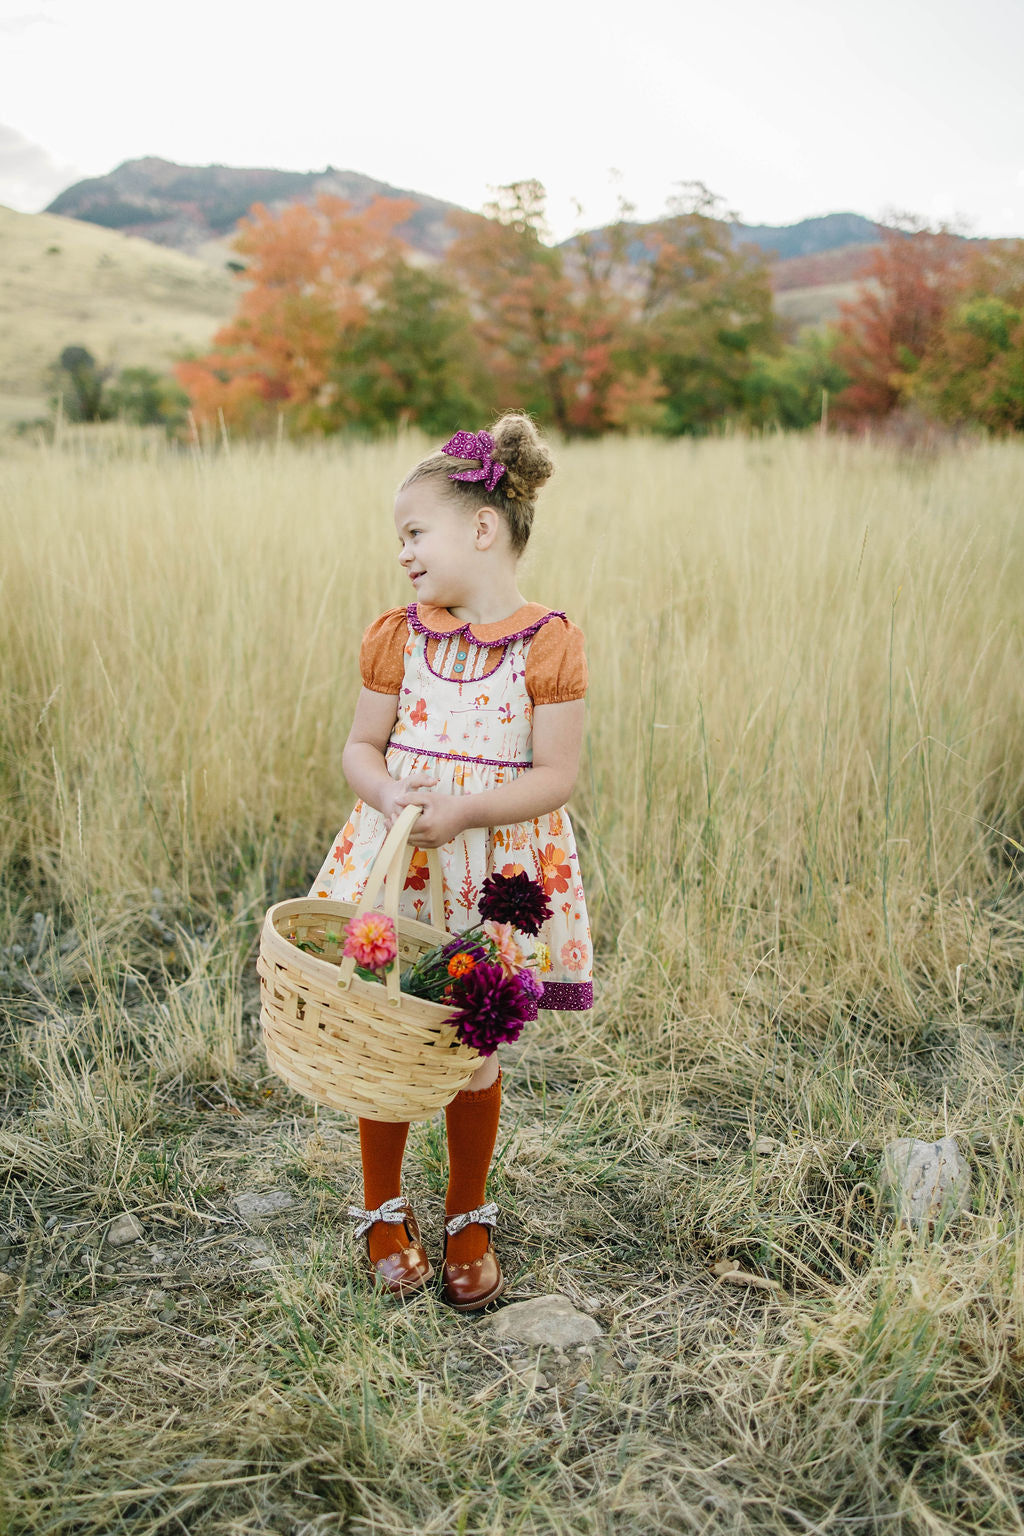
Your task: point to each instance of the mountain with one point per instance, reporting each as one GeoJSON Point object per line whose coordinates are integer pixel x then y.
{"type": "Point", "coordinates": [830, 232]}
{"type": "Point", "coordinates": [194, 208]}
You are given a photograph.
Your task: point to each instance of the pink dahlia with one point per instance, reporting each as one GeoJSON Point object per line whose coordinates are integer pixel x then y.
{"type": "Point", "coordinates": [371, 940]}
{"type": "Point", "coordinates": [506, 951]}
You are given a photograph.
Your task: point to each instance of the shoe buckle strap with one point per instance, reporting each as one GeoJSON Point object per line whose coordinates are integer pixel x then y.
{"type": "Point", "coordinates": [392, 1211]}
{"type": "Point", "coordinates": [484, 1215]}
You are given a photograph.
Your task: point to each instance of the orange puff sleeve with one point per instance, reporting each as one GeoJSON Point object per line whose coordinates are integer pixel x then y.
{"type": "Point", "coordinates": [556, 666]}
{"type": "Point", "coordinates": [382, 652]}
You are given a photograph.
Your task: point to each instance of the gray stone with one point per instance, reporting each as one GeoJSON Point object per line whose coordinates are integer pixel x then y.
{"type": "Point", "coordinates": [252, 1204]}
{"type": "Point", "coordinates": [928, 1181]}
{"type": "Point", "coordinates": [124, 1229]}
{"type": "Point", "coordinates": [546, 1320]}
{"type": "Point", "coordinates": [528, 1374]}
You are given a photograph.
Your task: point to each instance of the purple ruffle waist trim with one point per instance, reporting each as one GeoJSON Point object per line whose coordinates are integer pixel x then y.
{"type": "Point", "coordinates": [461, 757]}
{"type": "Point", "coordinates": [567, 997]}
{"type": "Point", "coordinates": [417, 624]}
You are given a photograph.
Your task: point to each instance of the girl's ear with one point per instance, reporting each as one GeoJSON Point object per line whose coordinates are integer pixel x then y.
{"type": "Point", "coordinates": [486, 525]}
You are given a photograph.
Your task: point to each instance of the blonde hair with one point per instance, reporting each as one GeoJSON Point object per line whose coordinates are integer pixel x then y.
{"type": "Point", "coordinates": [528, 464]}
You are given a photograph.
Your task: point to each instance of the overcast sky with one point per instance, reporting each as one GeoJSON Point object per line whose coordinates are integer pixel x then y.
{"type": "Point", "coordinates": [784, 109]}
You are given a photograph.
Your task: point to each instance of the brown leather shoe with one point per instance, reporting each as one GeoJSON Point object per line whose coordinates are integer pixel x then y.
{"type": "Point", "coordinates": [408, 1268]}
{"type": "Point", "coordinates": [468, 1287]}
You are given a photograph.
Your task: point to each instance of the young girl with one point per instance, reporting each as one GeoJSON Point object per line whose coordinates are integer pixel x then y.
{"type": "Point", "coordinates": [471, 708]}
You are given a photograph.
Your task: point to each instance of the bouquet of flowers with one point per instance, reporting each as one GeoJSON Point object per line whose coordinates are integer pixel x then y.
{"type": "Point", "coordinates": [486, 974]}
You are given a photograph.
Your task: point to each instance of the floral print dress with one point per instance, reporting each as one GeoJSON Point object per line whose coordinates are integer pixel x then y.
{"type": "Point", "coordinates": [465, 714]}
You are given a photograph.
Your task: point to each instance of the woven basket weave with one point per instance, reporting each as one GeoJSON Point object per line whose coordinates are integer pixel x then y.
{"type": "Point", "coordinates": [366, 1047]}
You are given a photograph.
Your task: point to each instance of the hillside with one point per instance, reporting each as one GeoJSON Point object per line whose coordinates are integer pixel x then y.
{"type": "Point", "coordinates": [64, 282]}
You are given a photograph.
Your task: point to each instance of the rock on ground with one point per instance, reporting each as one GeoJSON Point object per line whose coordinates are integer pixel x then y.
{"type": "Point", "coordinates": [546, 1320]}
{"type": "Point", "coordinates": [252, 1204]}
{"type": "Point", "coordinates": [124, 1229]}
{"type": "Point", "coordinates": [928, 1181]}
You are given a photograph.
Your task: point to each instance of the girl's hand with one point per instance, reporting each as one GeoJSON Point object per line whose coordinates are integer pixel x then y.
{"type": "Point", "coordinates": [394, 795]}
{"type": "Point", "coordinates": [443, 817]}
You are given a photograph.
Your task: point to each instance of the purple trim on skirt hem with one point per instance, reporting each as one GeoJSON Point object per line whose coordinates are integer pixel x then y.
{"type": "Point", "coordinates": [459, 757]}
{"type": "Point", "coordinates": [566, 997]}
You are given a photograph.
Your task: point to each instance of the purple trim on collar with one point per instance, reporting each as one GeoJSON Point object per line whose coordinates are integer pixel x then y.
{"type": "Point", "coordinates": [417, 624]}
{"type": "Point", "coordinates": [567, 997]}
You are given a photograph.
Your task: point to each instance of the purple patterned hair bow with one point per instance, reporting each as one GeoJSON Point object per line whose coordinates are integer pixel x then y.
{"type": "Point", "coordinates": [475, 445]}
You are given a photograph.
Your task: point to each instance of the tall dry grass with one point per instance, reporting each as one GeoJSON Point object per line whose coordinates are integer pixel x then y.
{"type": "Point", "coordinates": [800, 811]}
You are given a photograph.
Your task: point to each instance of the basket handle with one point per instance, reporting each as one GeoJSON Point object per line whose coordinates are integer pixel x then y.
{"type": "Point", "coordinates": [389, 869]}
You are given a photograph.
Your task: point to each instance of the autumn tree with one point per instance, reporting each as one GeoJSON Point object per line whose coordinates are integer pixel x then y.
{"type": "Point", "coordinates": [886, 331]}
{"type": "Point", "coordinates": [522, 303]}
{"type": "Point", "coordinates": [310, 276]}
{"type": "Point", "coordinates": [634, 325]}
{"type": "Point", "coordinates": [972, 371]}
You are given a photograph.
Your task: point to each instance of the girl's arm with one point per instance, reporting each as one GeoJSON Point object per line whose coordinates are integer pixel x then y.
{"type": "Point", "coordinates": [362, 760]}
{"type": "Point", "coordinates": [557, 740]}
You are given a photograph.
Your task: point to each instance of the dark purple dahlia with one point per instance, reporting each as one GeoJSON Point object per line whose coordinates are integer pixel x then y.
{"type": "Point", "coordinates": [514, 899]}
{"type": "Point", "coordinates": [490, 1007]}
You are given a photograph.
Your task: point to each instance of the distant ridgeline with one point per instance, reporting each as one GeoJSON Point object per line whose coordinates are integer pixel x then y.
{"type": "Point", "coordinates": [186, 206]}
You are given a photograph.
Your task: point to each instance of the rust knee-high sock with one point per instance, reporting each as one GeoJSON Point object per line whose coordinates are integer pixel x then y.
{"type": "Point", "coordinates": [472, 1122]}
{"type": "Point", "coordinates": [382, 1147]}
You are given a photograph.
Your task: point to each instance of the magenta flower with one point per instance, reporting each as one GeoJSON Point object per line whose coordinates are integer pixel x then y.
{"type": "Point", "coordinates": [531, 984]}
{"type": "Point", "coordinates": [514, 899]}
{"type": "Point", "coordinates": [371, 940]}
{"type": "Point", "coordinates": [490, 1007]}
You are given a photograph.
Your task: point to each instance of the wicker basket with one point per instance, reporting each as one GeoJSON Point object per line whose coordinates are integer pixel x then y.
{"type": "Point", "coordinates": [360, 1045]}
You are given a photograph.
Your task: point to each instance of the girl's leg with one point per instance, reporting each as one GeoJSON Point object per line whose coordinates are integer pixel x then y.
{"type": "Point", "coordinates": [382, 1147]}
{"type": "Point", "coordinates": [472, 1123]}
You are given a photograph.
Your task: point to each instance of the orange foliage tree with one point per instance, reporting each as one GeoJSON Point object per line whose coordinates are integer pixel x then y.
{"type": "Point", "coordinates": [311, 273]}
{"type": "Point", "coordinates": [886, 331]}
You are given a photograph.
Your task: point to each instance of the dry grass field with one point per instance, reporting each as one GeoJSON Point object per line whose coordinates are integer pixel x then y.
{"type": "Point", "coordinates": [800, 813]}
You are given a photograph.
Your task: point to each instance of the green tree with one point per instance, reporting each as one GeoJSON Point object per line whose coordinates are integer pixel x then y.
{"type": "Point", "coordinates": [146, 398]}
{"type": "Point", "coordinates": [787, 388]}
{"type": "Point", "coordinates": [79, 384]}
{"type": "Point", "coordinates": [412, 360]}
{"type": "Point", "coordinates": [704, 309]}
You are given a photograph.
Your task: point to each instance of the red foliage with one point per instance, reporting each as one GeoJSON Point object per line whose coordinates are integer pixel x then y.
{"type": "Point", "coordinates": [884, 334]}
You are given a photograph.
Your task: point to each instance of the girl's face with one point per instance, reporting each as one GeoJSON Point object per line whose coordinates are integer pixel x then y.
{"type": "Point", "coordinates": [438, 545]}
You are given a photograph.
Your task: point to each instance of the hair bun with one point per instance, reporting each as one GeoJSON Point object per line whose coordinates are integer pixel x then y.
{"type": "Point", "coordinates": [518, 446]}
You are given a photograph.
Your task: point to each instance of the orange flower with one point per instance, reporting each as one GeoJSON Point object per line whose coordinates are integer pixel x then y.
{"type": "Point", "coordinates": [418, 713]}
{"type": "Point", "coordinates": [513, 869]}
{"type": "Point", "coordinates": [554, 870]}
{"type": "Point", "coordinates": [460, 965]}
